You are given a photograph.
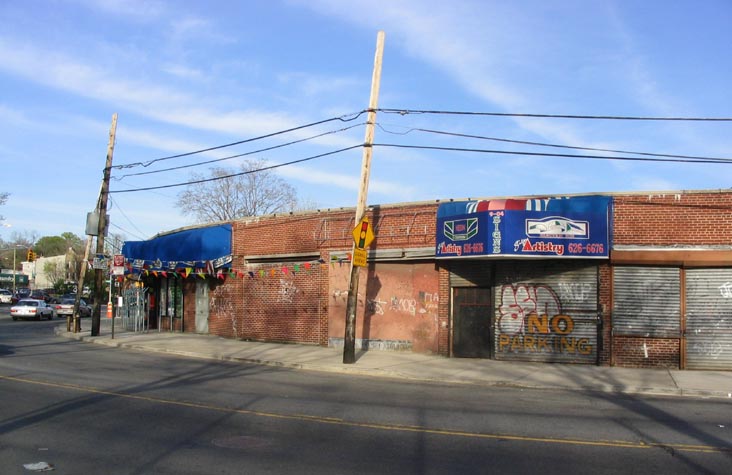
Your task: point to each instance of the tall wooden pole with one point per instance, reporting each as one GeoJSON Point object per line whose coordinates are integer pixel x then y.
{"type": "Point", "coordinates": [101, 230]}
{"type": "Point", "coordinates": [349, 340]}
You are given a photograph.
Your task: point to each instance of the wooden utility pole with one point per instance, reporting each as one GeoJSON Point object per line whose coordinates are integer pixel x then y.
{"type": "Point", "coordinates": [101, 230]}
{"type": "Point", "coordinates": [349, 340]}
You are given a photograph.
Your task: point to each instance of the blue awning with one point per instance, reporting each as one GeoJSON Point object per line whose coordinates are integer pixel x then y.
{"type": "Point", "coordinates": [198, 248]}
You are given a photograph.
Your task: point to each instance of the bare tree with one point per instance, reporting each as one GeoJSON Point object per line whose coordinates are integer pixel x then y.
{"type": "Point", "coordinates": [248, 192]}
{"type": "Point", "coordinates": [3, 199]}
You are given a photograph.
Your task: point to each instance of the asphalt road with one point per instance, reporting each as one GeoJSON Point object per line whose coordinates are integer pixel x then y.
{"type": "Point", "coordinates": [89, 409]}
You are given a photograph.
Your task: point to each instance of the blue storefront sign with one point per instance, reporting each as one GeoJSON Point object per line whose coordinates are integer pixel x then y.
{"type": "Point", "coordinates": [572, 227]}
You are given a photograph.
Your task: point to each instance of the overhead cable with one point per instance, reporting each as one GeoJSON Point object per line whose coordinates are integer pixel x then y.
{"type": "Point", "coordinates": [343, 118]}
{"type": "Point", "coordinates": [118, 208]}
{"type": "Point", "coordinates": [206, 180]}
{"type": "Point", "coordinates": [554, 116]}
{"type": "Point", "coordinates": [541, 144]}
{"type": "Point", "coordinates": [538, 154]}
{"type": "Point", "coordinates": [240, 154]}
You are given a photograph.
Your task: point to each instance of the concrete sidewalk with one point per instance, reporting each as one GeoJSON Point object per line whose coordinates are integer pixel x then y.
{"type": "Point", "coordinates": [418, 367]}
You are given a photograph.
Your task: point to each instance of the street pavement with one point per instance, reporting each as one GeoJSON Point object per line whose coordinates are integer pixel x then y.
{"type": "Point", "coordinates": [417, 367]}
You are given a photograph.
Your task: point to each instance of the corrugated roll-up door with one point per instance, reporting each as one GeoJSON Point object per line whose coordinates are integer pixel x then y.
{"type": "Point", "coordinates": [546, 311]}
{"type": "Point", "coordinates": [471, 274]}
{"type": "Point", "coordinates": [646, 301]}
{"type": "Point", "coordinates": [709, 318]}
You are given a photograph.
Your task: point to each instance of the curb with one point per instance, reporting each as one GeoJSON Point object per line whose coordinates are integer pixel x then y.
{"type": "Point", "coordinates": [382, 373]}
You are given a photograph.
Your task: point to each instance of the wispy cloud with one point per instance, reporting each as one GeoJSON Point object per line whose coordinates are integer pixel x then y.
{"type": "Point", "coordinates": [136, 9]}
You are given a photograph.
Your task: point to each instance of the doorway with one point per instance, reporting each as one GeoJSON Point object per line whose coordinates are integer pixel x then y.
{"type": "Point", "coordinates": [202, 307]}
{"type": "Point", "coordinates": [472, 319]}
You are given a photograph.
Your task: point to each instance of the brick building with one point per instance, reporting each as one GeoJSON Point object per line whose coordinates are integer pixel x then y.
{"type": "Point", "coordinates": [627, 279]}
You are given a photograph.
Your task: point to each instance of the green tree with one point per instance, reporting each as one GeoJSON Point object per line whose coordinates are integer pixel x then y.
{"type": "Point", "coordinates": [49, 246]}
{"type": "Point", "coordinates": [56, 273]}
{"type": "Point", "coordinates": [74, 242]}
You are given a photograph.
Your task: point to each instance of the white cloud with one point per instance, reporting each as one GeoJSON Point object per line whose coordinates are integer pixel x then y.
{"type": "Point", "coordinates": [135, 9]}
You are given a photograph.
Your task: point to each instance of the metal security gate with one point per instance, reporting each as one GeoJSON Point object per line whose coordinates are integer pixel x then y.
{"type": "Point", "coordinates": [134, 309]}
{"type": "Point", "coordinates": [546, 311]}
{"type": "Point", "coordinates": [709, 319]}
{"type": "Point", "coordinates": [647, 301]}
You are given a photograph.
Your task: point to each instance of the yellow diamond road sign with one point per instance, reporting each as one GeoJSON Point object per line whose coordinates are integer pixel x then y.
{"type": "Point", "coordinates": [363, 234]}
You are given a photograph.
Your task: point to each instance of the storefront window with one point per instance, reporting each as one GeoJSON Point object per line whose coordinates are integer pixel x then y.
{"type": "Point", "coordinates": [163, 301]}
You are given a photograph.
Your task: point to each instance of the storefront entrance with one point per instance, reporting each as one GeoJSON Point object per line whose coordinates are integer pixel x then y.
{"type": "Point", "coordinates": [472, 310]}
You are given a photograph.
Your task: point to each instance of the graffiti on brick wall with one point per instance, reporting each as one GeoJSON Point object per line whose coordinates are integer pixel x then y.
{"type": "Point", "coordinates": [425, 302]}
{"type": "Point", "coordinates": [375, 306]}
{"type": "Point", "coordinates": [287, 291]}
{"type": "Point", "coordinates": [530, 320]}
{"type": "Point", "coordinates": [223, 308]}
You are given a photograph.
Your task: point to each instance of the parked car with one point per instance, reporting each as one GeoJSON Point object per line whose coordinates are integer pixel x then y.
{"type": "Point", "coordinates": [32, 308]}
{"type": "Point", "coordinates": [40, 295]}
{"type": "Point", "coordinates": [66, 308]}
{"type": "Point", "coordinates": [6, 296]}
{"type": "Point", "coordinates": [23, 293]}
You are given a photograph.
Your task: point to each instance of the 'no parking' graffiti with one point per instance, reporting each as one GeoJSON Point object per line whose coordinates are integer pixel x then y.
{"type": "Point", "coordinates": [530, 320]}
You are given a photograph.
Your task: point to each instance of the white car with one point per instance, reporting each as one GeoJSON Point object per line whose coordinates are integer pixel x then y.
{"type": "Point", "coordinates": [65, 308]}
{"type": "Point", "coordinates": [6, 296]}
{"type": "Point", "coordinates": [32, 308]}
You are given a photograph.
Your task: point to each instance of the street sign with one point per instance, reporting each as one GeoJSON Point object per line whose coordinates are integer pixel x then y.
{"type": "Point", "coordinates": [119, 264]}
{"type": "Point", "coordinates": [359, 257]}
{"type": "Point", "coordinates": [363, 234]}
{"type": "Point", "coordinates": [100, 263]}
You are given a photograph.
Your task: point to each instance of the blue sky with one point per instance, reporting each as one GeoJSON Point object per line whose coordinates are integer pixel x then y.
{"type": "Point", "coordinates": [188, 75]}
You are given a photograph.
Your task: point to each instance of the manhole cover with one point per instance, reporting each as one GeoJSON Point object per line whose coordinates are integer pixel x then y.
{"type": "Point", "coordinates": [241, 442]}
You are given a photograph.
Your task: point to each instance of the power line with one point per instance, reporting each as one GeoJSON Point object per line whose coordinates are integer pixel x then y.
{"type": "Point", "coordinates": [118, 208]}
{"type": "Point", "coordinates": [343, 118]}
{"type": "Point", "coordinates": [206, 180]}
{"type": "Point", "coordinates": [554, 116]}
{"type": "Point", "coordinates": [541, 144]}
{"type": "Point", "coordinates": [538, 154]}
{"type": "Point", "coordinates": [241, 154]}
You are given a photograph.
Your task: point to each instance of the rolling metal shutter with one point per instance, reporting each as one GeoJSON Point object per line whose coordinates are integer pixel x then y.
{"type": "Point", "coordinates": [546, 311]}
{"type": "Point", "coordinates": [647, 301]}
{"type": "Point", "coordinates": [471, 274]}
{"type": "Point", "coordinates": [709, 319]}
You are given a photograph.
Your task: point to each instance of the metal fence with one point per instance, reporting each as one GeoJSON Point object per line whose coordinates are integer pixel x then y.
{"type": "Point", "coordinates": [134, 310]}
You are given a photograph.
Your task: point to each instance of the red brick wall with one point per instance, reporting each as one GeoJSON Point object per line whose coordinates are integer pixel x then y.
{"type": "Point", "coordinates": [444, 312]}
{"type": "Point", "coordinates": [225, 307]}
{"type": "Point", "coordinates": [605, 301]}
{"type": "Point", "coordinates": [630, 353]}
{"type": "Point", "coordinates": [672, 219]}
{"type": "Point", "coordinates": [397, 306]}
{"type": "Point", "coordinates": [702, 219]}
{"type": "Point", "coordinates": [289, 305]}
